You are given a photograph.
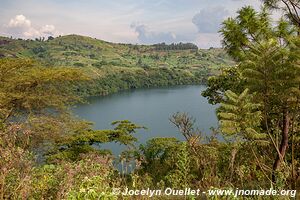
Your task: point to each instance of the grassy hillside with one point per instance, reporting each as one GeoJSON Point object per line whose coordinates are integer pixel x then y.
{"type": "Point", "coordinates": [120, 66]}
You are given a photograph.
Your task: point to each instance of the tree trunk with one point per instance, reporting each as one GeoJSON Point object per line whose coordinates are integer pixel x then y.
{"type": "Point", "coordinates": [284, 143]}
{"type": "Point", "coordinates": [294, 180]}
{"type": "Point", "coordinates": [231, 164]}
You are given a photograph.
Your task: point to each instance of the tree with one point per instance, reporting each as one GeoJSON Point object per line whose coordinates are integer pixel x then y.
{"type": "Point", "coordinates": [290, 7]}
{"type": "Point", "coordinates": [272, 73]}
{"type": "Point", "coordinates": [50, 38]}
{"type": "Point", "coordinates": [37, 96]}
{"type": "Point", "coordinates": [248, 28]}
{"type": "Point", "coordinates": [268, 66]}
{"type": "Point", "coordinates": [228, 79]}
{"type": "Point", "coordinates": [240, 119]}
{"type": "Point", "coordinates": [82, 140]}
{"type": "Point", "coordinates": [28, 87]}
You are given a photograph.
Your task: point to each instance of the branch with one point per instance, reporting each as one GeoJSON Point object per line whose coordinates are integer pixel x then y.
{"type": "Point", "coordinates": [295, 9]}
{"type": "Point", "coordinates": [290, 11]}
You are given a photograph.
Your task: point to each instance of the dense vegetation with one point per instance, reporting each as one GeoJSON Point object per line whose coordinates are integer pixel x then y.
{"type": "Point", "coordinates": [179, 46]}
{"type": "Point", "coordinates": [259, 117]}
{"type": "Point", "coordinates": [115, 67]}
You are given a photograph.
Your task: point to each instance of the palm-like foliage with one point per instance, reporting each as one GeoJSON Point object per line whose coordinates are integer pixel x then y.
{"type": "Point", "coordinates": [272, 72]}
{"type": "Point", "coordinates": [240, 117]}
{"type": "Point", "coordinates": [248, 28]}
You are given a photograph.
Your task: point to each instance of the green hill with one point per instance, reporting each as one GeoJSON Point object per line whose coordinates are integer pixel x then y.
{"type": "Point", "coordinates": [121, 66]}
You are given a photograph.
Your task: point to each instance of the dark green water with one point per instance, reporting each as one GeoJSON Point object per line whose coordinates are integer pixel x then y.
{"type": "Point", "coordinates": [151, 108]}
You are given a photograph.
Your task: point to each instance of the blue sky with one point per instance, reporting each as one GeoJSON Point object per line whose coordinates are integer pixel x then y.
{"type": "Point", "coordinates": [126, 21]}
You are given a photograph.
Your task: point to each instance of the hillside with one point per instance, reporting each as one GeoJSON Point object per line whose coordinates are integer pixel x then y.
{"type": "Point", "coordinates": [143, 65]}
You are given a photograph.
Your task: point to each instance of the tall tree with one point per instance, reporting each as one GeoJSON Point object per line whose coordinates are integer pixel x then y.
{"type": "Point", "coordinates": [268, 66]}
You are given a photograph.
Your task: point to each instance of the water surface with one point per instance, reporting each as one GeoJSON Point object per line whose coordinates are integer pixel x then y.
{"type": "Point", "coordinates": [151, 108]}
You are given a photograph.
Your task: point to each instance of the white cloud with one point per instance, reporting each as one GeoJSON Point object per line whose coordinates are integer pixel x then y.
{"type": "Point", "coordinates": [31, 32]}
{"type": "Point", "coordinates": [19, 21]}
{"type": "Point", "coordinates": [20, 26]}
{"type": "Point", "coordinates": [209, 20]}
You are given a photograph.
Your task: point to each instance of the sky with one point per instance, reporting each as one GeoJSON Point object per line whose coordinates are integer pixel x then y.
{"type": "Point", "coordinates": [122, 21]}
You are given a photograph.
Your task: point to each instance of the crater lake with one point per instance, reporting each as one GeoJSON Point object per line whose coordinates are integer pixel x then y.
{"type": "Point", "coordinates": [151, 108]}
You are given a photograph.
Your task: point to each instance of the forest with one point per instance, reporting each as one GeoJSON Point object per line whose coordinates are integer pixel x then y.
{"type": "Point", "coordinates": [48, 153]}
